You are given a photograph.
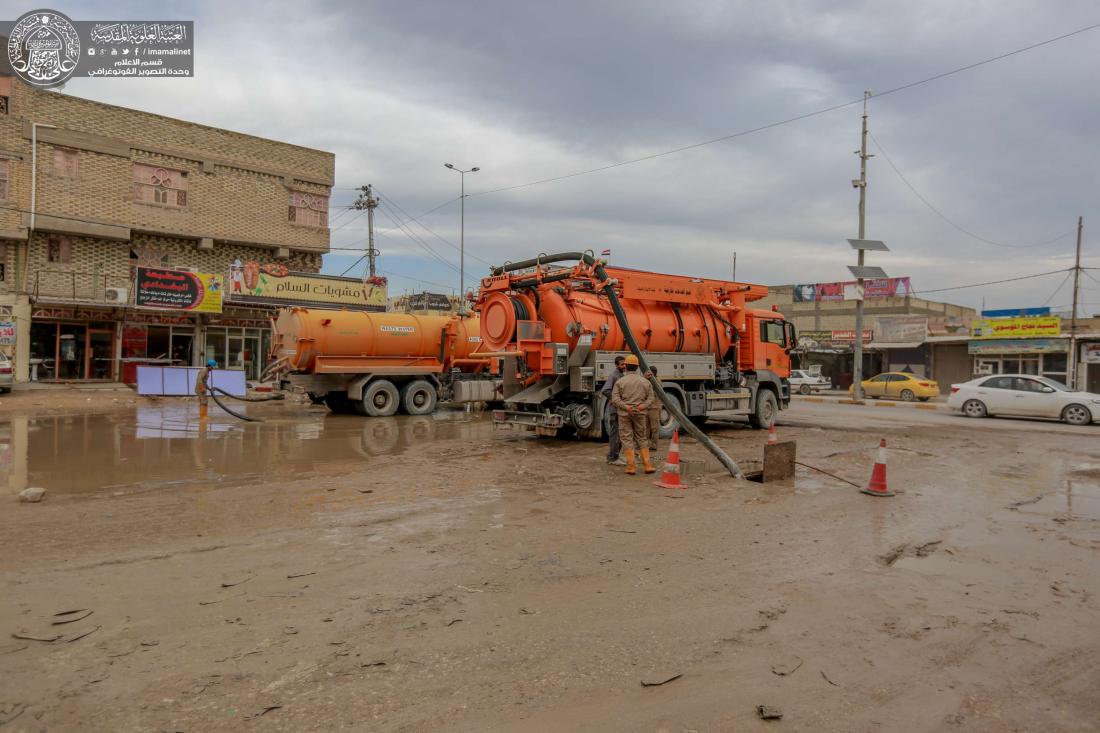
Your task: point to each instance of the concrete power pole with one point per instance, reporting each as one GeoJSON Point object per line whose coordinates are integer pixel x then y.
{"type": "Point", "coordinates": [734, 278]}
{"type": "Point", "coordinates": [857, 345]}
{"type": "Point", "coordinates": [367, 201]}
{"type": "Point", "coordinates": [1073, 313]}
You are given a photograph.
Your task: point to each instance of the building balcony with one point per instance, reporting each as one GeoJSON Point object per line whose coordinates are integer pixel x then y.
{"type": "Point", "coordinates": [81, 288]}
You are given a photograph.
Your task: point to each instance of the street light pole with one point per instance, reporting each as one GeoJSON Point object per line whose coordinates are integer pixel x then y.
{"type": "Point", "coordinates": [462, 235]}
{"type": "Point", "coordinates": [857, 366]}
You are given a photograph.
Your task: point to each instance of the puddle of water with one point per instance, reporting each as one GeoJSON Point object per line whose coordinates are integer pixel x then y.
{"type": "Point", "coordinates": [1078, 501]}
{"type": "Point", "coordinates": [165, 445]}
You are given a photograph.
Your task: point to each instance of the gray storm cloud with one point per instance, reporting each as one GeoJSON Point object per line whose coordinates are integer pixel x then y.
{"type": "Point", "coordinates": [530, 91]}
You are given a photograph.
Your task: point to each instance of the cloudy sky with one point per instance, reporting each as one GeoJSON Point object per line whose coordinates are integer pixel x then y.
{"type": "Point", "coordinates": [530, 91]}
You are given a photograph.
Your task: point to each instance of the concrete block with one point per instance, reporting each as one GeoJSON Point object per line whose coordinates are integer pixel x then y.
{"type": "Point", "coordinates": [32, 495]}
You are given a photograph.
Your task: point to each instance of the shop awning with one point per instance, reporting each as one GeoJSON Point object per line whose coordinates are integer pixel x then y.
{"type": "Point", "coordinates": [882, 345]}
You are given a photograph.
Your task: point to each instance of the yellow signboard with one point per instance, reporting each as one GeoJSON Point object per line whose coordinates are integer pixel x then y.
{"type": "Point", "coordinates": [275, 284]}
{"type": "Point", "coordinates": [1025, 327]}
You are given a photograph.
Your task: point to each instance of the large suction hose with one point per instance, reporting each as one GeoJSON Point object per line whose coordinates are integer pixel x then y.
{"type": "Point", "coordinates": [239, 415]}
{"type": "Point", "coordinates": [670, 403]}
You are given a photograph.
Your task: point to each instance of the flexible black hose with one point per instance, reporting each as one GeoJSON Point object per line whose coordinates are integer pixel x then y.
{"type": "Point", "coordinates": [670, 403]}
{"type": "Point", "coordinates": [272, 398]}
{"type": "Point", "coordinates": [212, 390]}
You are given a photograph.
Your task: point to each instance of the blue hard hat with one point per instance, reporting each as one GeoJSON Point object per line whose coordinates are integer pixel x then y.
{"type": "Point", "coordinates": [211, 363]}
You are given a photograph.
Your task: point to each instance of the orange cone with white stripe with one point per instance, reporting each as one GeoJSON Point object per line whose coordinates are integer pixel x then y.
{"type": "Point", "coordinates": [772, 437]}
{"type": "Point", "coordinates": [877, 485]}
{"type": "Point", "coordinates": [670, 474]}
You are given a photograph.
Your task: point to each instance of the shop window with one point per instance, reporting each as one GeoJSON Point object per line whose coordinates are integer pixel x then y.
{"type": "Point", "coordinates": [65, 163]}
{"type": "Point", "coordinates": [3, 179]}
{"type": "Point", "coordinates": [59, 250]}
{"type": "Point", "coordinates": [305, 208]}
{"type": "Point", "coordinates": [159, 185]}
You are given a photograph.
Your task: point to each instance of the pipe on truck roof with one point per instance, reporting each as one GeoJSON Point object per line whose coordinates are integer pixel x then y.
{"type": "Point", "coordinates": [620, 315]}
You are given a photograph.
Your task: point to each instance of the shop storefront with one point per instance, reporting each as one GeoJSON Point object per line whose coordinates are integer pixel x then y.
{"type": "Point", "coordinates": [832, 352]}
{"type": "Point", "coordinates": [239, 339]}
{"type": "Point", "coordinates": [1046, 356]}
{"type": "Point", "coordinates": [157, 339]}
{"type": "Point", "coordinates": [73, 344]}
{"type": "Point", "coordinates": [1088, 366]}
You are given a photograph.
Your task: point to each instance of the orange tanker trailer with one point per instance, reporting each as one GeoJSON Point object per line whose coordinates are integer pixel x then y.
{"type": "Point", "coordinates": [377, 363]}
{"type": "Point", "coordinates": [558, 332]}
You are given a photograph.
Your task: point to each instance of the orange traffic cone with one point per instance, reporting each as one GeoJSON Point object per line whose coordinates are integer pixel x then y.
{"type": "Point", "coordinates": [877, 485]}
{"type": "Point", "coordinates": [670, 474]}
{"type": "Point", "coordinates": [772, 437]}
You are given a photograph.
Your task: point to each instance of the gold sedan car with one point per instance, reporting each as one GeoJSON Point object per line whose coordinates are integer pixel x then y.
{"type": "Point", "coordinates": [899, 385]}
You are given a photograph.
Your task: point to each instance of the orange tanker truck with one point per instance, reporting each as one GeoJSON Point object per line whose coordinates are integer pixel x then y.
{"type": "Point", "coordinates": [558, 328]}
{"type": "Point", "coordinates": [378, 363]}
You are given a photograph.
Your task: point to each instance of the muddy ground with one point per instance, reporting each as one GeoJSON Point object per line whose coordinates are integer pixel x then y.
{"type": "Point", "coordinates": [318, 572]}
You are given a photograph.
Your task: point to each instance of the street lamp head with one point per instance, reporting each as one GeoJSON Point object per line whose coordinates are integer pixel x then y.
{"type": "Point", "coordinates": [475, 169]}
{"type": "Point", "coordinates": [448, 165]}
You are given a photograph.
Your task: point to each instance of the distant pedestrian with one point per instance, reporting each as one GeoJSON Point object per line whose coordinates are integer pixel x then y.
{"type": "Point", "coordinates": [614, 445]}
{"type": "Point", "coordinates": [632, 395]}
{"type": "Point", "coordinates": [653, 414]}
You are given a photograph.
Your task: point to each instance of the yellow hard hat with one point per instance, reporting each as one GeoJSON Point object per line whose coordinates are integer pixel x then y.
{"type": "Point", "coordinates": [631, 359]}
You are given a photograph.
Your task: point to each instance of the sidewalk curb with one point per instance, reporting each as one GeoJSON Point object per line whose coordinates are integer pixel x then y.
{"type": "Point", "coordinates": [938, 406]}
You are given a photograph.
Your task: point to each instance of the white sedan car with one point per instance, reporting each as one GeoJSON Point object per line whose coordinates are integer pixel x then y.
{"type": "Point", "coordinates": [804, 382]}
{"type": "Point", "coordinates": [1024, 395]}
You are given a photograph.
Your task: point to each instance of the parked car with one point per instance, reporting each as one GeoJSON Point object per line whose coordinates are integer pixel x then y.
{"type": "Point", "coordinates": [1024, 395]}
{"type": "Point", "coordinates": [804, 382]}
{"type": "Point", "coordinates": [902, 385]}
{"type": "Point", "coordinates": [5, 373]}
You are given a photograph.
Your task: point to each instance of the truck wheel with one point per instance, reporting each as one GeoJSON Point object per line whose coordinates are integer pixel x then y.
{"type": "Point", "coordinates": [380, 399]}
{"type": "Point", "coordinates": [418, 397]}
{"type": "Point", "coordinates": [766, 410]}
{"type": "Point", "coordinates": [669, 424]}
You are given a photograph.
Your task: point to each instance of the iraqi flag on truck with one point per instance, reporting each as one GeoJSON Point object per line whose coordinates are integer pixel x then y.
{"type": "Point", "coordinates": [605, 253]}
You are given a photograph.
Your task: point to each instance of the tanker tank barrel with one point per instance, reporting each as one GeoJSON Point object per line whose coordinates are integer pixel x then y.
{"type": "Point", "coordinates": [608, 286]}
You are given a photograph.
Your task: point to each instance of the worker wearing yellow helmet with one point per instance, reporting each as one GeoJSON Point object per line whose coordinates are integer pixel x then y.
{"type": "Point", "coordinates": [631, 397]}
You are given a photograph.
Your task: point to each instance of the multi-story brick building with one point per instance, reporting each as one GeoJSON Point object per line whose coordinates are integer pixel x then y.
{"type": "Point", "coordinates": [89, 192]}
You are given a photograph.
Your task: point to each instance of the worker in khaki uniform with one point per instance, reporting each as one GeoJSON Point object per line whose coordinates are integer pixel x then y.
{"type": "Point", "coordinates": [653, 413]}
{"type": "Point", "coordinates": [631, 396]}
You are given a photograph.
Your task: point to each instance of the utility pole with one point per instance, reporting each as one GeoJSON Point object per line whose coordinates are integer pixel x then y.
{"type": "Point", "coordinates": [861, 184]}
{"type": "Point", "coordinates": [734, 278]}
{"type": "Point", "coordinates": [1073, 314]}
{"type": "Point", "coordinates": [367, 201]}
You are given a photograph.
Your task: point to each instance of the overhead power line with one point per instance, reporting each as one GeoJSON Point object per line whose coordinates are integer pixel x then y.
{"type": "Point", "coordinates": [992, 282]}
{"type": "Point", "coordinates": [1059, 288]}
{"type": "Point", "coordinates": [389, 200]}
{"type": "Point", "coordinates": [796, 118]}
{"type": "Point", "coordinates": [943, 216]}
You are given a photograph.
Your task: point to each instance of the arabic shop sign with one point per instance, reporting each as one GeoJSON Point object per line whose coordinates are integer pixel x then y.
{"type": "Point", "coordinates": [178, 290]}
{"type": "Point", "coordinates": [1019, 346]}
{"type": "Point", "coordinates": [1000, 328]}
{"type": "Point", "coordinates": [274, 284]}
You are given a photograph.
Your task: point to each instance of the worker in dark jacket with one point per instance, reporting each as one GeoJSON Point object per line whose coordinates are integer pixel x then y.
{"type": "Point", "coordinates": [614, 444]}
{"type": "Point", "coordinates": [632, 395]}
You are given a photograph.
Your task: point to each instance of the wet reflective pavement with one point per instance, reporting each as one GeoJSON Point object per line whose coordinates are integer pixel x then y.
{"type": "Point", "coordinates": [165, 445]}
